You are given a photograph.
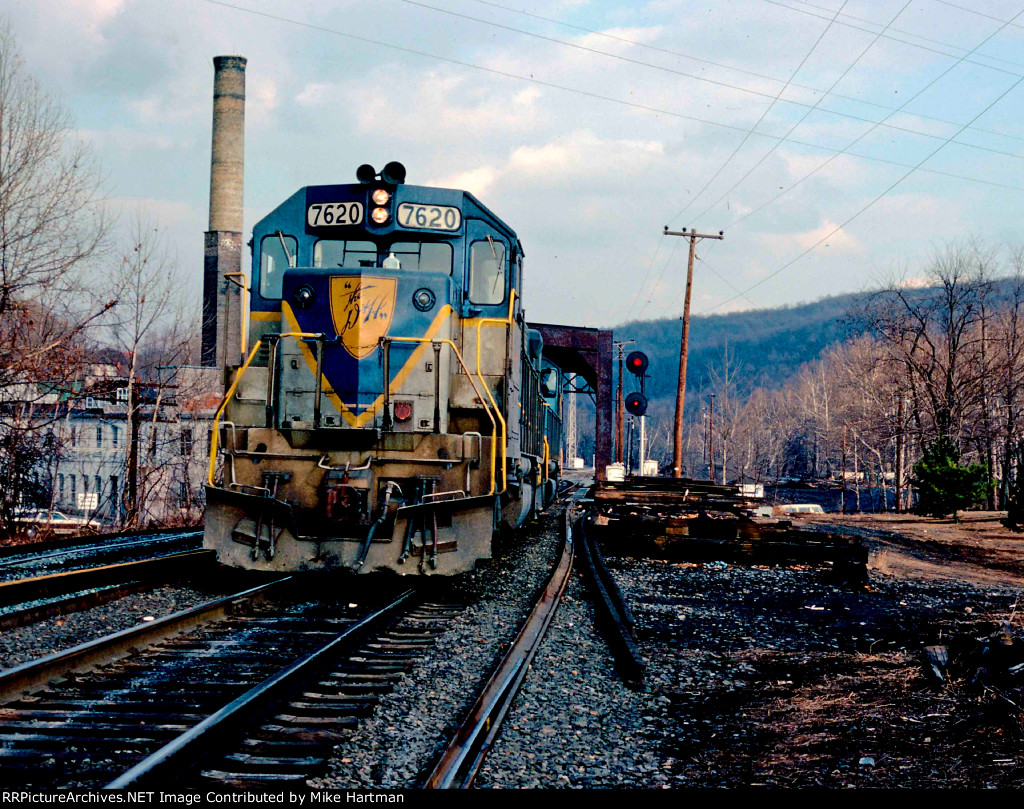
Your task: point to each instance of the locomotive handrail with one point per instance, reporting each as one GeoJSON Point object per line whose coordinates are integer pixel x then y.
{"type": "Point", "coordinates": [231, 392]}
{"type": "Point", "coordinates": [507, 322]}
{"type": "Point", "coordinates": [547, 460]}
{"type": "Point", "coordinates": [469, 376]}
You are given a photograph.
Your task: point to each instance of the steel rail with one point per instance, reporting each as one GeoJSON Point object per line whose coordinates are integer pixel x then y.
{"type": "Point", "coordinates": [37, 673]}
{"type": "Point", "coordinates": [465, 753]}
{"type": "Point", "coordinates": [185, 750]}
{"type": "Point", "coordinates": [62, 549]}
{"type": "Point", "coordinates": [81, 541]}
{"type": "Point", "coordinates": [69, 604]}
{"type": "Point", "coordinates": [72, 581]}
{"type": "Point", "coordinates": [612, 610]}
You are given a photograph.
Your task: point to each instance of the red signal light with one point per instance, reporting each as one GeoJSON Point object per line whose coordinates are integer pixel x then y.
{"type": "Point", "coordinates": [637, 362]}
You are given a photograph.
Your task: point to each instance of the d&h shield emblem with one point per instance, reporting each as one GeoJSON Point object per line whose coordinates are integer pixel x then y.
{"type": "Point", "coordinates": [362, 308]}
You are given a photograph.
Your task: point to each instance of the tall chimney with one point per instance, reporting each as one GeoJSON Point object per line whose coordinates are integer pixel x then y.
{"type": "Point", "coordinates": [222, 299]}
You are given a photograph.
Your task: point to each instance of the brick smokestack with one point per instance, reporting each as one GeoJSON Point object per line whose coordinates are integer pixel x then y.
{"type": "Point", "coordinates": [222, 299]}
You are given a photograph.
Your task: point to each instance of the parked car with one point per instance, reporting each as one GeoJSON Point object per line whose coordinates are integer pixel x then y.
{"type": "Point", "coordinates": [55, 522]}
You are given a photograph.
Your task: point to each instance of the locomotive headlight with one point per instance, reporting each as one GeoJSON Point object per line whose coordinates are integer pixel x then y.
{"type": "Point", "coordinates": [380, 197]}
{"type": "Point", "coordinates": [380, 215]}
{"type": "Point", "coordinates": [303, 297]}
{"type": "Point", "coordinates": [423, 299]}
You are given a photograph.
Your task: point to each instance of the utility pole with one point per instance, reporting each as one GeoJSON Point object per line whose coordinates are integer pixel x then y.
{"type": "Point", "coordinates": [899, 454]}
{"type": "Point", "coordinates": [134, 405]}
{"type": "Point", "coordinates": [844, 470]}
{"type": "Point", "coordinates": [684, 344]}
{"type": "Point", "coordinates": [711, 441]}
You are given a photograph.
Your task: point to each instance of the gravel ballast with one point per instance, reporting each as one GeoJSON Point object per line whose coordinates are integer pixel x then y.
{"type": "Point", "coordinates": [756, 676]}
{"type": "Point", "coordinates": [65, 631]}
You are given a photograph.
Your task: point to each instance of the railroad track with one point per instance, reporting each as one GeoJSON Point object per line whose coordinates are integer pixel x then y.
{"type": "Point", "coordinates": [17, 560]}
{"type": "Point", "coordinates": [26, 601]}
{"type": "Point", "coordinates": [234, 692]}
{"type": "Point", "coordinates": [464, 755]}
{"type": "Point", "coordinates": [613, 613]}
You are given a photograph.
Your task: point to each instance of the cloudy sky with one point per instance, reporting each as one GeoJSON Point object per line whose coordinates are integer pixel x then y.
{"type": "Point", "coordinates": [830, 140]}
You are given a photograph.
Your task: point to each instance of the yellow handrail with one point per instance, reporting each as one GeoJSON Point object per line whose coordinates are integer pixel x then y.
{"type": "Point", "coordinates": [458, 356]}
{"type": "Point", "coordinates": [504, 434]}
{"type": "Point", "coordinates": [547, 458]}
{"type": "Point", "coordinates": [231, 392]}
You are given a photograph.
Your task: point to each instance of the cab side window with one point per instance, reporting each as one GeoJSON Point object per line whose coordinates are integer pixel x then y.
{"type": "Point", "coordinates": [277, 253]}
{"type": "Point", "coordinates": [487, 272]}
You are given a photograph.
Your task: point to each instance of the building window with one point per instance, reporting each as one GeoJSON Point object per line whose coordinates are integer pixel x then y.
{"type": "Point", "coordinates": [99, 485]}
{"type": "Point", "coordinates": [74, 436]}
{"type": "Point", "coordinates": [122, 394]}
{"type": "Point", "coordinates": [182, 493]}
{"type": "Point", "coordinates": [85, 484]}
{"type": "Point", "coordinates": [114, 437]}
{"type": "Point", "coordinates": [99, 436]}
{"type": "Point", "coordinates": [113, 494]}
{"type": "Point", "coordinates": [60, 487]}
{"type": "Point", "coordinates": [72, 478]}
{"type": "Point", "coordinates": [186, 441]}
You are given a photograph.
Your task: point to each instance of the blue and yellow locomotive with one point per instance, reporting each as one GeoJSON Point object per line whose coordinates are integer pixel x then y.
{"type": "Point", "coordinates": [394, 409]}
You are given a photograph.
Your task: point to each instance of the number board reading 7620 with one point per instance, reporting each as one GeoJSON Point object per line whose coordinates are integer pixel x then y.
{"type": "Point", "coordinates": [432, 217]}
{"type": "Point", "coordinates": [327, 214]}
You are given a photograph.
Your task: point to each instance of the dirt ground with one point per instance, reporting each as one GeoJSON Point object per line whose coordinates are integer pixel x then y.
{"type": "Point", "coordinates": [836, 692]}
{"type": "Point", "coordinates": [976, 549]}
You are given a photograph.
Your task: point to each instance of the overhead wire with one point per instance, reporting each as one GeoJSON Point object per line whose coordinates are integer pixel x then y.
{"type": "Point", "coordinates": [585, 93]}
{"type": "Point", "coordinates": [863, 135]}
{"type": "Point", "coordinates": [905, 42]}
{"type": "Point", "coordinates": [975, 11]}
{"type": "Point", "coordinates": [838, 228]}
{"type": "Point", "coordinates": [764, 114]}
{"type": "Point", "coordinates": [734, 68]}
{"type": "Point", "coordinates": [804, 117]}
{"type": "Point", "coordinates": [860, 137]}
{"type": "Point", "coordinates": [721, 168]}
{"type": "Point", "coordinates": [739, 88]}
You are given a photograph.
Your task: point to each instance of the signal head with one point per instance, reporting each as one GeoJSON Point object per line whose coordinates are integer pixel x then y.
{"type": "Point", "coordinates": [366, 173]}
{"type": "Point", "coordinates": [637, 362]}
{"type": "Point", "coordinates": [393, 173]}
{"type": "Point", "coordinates": [636, 404]}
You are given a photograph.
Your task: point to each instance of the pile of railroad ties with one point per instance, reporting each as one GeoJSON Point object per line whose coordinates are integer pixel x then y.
{"type": "Point", "coordinates": [684, 520]}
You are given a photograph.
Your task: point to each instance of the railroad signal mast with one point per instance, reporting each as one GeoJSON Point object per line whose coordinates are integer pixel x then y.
{"type": "Point", "coordinates": [684, 344]}
{"type": "Point", "coordinates": [636, 403]}
{"type": "Point", "coordinates": [619, 418]}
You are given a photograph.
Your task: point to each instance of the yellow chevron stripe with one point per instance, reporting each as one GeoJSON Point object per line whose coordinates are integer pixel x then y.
{"type": "Point", "coordinates": [360, 420]}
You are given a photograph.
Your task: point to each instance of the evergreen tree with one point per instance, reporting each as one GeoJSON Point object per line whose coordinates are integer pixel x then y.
{"type": "Point", "coordinates": [943, 485]}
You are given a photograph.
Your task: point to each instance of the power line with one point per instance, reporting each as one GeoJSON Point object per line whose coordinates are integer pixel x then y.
{"type": "Point", "coordinates": [856, 140]}
{"type": "Point", "coordinates": [859, 137]}
{"type": "Point", "coordinates": [705, 79]}
{"type": "Point", "coordinates": [723, 66]}
{"type": "Point", "coordinates": [803, 118]}
{"type": "Point", "coordinates": [903, 41]}
{"type": "Point", "coordinates": [589, 94]}
{"type": "Point", "coordinates": [979, 13]}
{"type": "Point", "coordinates": [768, 109]}
{"type": "Point", "coordinates": [721, 168]}
{"type": "Point", "coordinates": [835, 230]}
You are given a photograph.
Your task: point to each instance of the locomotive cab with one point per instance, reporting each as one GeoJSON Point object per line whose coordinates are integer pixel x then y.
{"type": "Point", "coordinates": [389, 412]}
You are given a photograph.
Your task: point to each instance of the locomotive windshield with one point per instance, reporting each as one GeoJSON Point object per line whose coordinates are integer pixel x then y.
{"type": "Point", "coordinates": [487, 272]}
{"type": "Point", "coordinates": [427, 256]}
{"type": "Point", "coordinates": [277, 253]}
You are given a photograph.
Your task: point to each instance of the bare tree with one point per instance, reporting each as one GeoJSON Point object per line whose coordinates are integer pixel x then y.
{"type": "Point", "coordinates": [149, 327]}
{"type": "Point", "coordinates": [52, 224]}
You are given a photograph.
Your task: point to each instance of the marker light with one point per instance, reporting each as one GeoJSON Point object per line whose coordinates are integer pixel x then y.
{"type": "Point", "coordinates": [380, 197]}
{"type": "Point", "coordinates": [303, 297]}
{"type": "Point", "coordinates": [379, 215]}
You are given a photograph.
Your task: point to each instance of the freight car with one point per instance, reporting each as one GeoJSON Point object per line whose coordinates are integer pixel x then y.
{"type": "Point", "coordinates": [394, 409]}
